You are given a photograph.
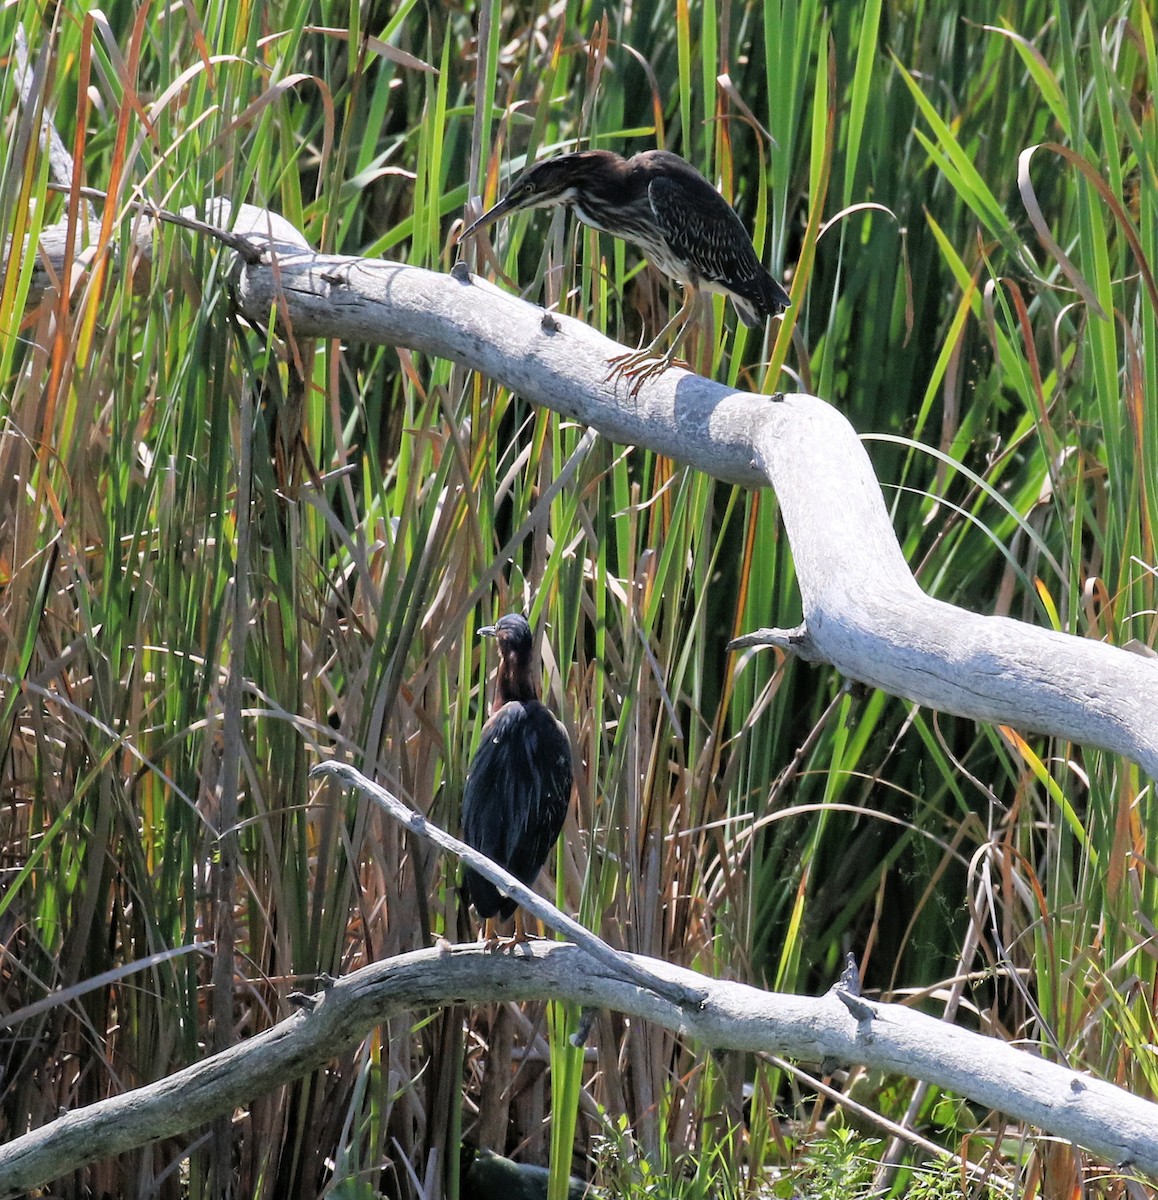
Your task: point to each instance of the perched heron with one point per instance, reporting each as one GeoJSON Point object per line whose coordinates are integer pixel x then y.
{"type": "Point", "coordinates": [672, 213]}
{"type": "Point", "coordinates": [518, 786]}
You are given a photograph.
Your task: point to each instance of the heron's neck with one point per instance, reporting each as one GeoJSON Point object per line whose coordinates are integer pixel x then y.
{"type": "Point", "coordinates": [516, 681]}
{"type": "Point", "coordinates": [577, 208]}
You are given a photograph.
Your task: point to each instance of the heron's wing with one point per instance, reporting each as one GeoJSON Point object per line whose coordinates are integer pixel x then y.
{"type": "Point", "coordinates": [518, 788]}
{"type": "Point", "coordinates": [549, 775]}
{"type": "Point", "coordinates": [702, 229]}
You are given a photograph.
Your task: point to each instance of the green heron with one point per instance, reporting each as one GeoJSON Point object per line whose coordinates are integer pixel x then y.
{"type": "Point", "coordinates": [665, 206]}
{"type": "Point", "coordinates": [518, 786]}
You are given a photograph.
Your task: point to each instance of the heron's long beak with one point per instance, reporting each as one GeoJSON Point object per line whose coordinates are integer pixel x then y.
{"type": "Point", "coordinates": [486, 630]}
{"type": "Point", "coordinates": [503, 207]}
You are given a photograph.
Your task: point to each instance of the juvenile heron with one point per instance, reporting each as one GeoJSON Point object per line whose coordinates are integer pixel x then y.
{"type": "Point", "coordinates": [518, 786]}
{"type": "Point", "coordinates": [663, 205]}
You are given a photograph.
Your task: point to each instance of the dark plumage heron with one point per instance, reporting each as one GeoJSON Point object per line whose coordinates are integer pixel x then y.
{"type": "Point", "coordinates": [662, 204]}
{"type": "Point", "coordinates": [518, 786]}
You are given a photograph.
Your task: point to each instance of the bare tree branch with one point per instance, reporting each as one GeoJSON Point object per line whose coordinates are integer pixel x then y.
{"type": "Point", "coordinates": [613, 959]}
{"type": "Point", "coordinates": [863, 611]}
{"type": "Point", "coordinates": [835, 1028]}
{"type": "Point", "coordinates": [840, 1027]}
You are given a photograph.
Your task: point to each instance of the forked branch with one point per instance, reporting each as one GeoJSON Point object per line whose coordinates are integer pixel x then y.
{"type": "Point", "coordinates": [839, 1027]}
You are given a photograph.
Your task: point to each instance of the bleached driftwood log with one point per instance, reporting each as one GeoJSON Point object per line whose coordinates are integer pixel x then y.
{"type": "Point", "coordinates": [863, 611]}
{"type": "Point", "coordinates": [1106, 1120]}
{"type": "Point", "coordinates": [840, 1027]}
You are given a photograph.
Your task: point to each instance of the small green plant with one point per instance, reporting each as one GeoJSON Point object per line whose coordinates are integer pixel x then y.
{"type": "Point", "coordinates": [839, 1164]}
{"type": "Point", "coordinates": [942, 1181]}
{"type": "Point", "coordinates": [843, 1164]}
{"type": "Point", "coordinates": [623, 1169]}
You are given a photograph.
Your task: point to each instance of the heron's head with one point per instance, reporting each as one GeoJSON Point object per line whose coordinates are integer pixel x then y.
{"type": "Point", "coordinates": [516, 680]}
{"type": "Point", "coordinates": [513, 634]}
{"type": "Point", "coordinates": [559, 180]}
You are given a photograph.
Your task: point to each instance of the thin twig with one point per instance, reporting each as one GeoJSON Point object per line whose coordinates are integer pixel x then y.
{"type": "Point", "coordinates": [687, 998]}
{"type": "Point", "coordinates": [240, 244]}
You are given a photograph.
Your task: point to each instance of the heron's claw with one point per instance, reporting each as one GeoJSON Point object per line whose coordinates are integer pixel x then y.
{"type": "Point", "coordinates": [638, 366]}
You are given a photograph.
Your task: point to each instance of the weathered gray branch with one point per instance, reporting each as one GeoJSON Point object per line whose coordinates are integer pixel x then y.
{"type": "Point", "coordinates": [863, 611]}
{"type": "Point", "coordinates": [840, 1027]}
{"type": "Point", "coordinates": [837, 1028]}
{"type": "Point", "coordinates": [506, 883]}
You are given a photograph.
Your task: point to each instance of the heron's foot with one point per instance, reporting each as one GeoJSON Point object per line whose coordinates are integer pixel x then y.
{"type": "Point", "coordinates": [519, 941]}
{"type": "Point", "coordinates": [514, 944]}
{"type": "Point", "coordinates": [638, 366]}
{"type": "Point", "coordinates": [494, 944]}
